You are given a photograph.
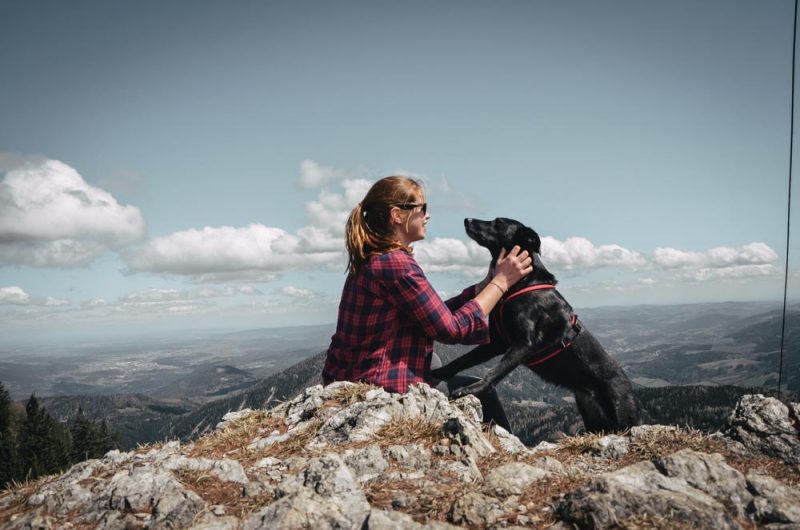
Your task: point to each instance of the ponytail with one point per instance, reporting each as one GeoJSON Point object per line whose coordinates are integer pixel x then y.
{"type": "Point", "coordinates": [368, 232]}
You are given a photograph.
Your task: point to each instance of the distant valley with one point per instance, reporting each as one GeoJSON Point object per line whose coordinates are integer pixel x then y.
{"type": "Point", "coordinates": [170, 390]}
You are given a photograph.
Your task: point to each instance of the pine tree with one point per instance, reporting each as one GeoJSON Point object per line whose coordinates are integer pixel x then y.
{"type": "Point", "coordinates": [105, 440]}
{"type": "Point", "coordinates": [44, 442]}
{"type": "Point", "coordinates": [59, 445]}
{"type": "Point", "coordinates": [33, 447]}
{"type": "Point", "coordinates": [9, 461]}
{"type": "Point", "coordinates": [81, 431]}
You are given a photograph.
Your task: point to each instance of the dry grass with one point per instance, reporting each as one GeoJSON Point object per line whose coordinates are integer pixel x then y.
{"type": "Point", "coordinates": [21, 490]}
{"type": "Point", "coordinates": [406, 431]}
{"type": "Point", "coordinates": [294, 446]}
{"type": "Point", "coordinates": [236, 436]}
{"type": "Point", "coordinates": [347, 395]}
{"type": "Point", "coordinates": [786, 473]}
{"type": "Point", "coordinates": [218, 492]}
{"type": "Point", "coordinates": [647, 446]}
{"type": "Point", "coordinates": [656, 444]}
{"type": "Point", "coordinates": [427, 503]}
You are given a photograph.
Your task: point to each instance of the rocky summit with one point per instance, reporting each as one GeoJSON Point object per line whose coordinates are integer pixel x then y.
{"type": "Point", "coordinates": [354, 456]}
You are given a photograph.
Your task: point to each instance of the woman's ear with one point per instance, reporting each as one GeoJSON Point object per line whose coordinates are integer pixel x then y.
{"type": "Point", "coordinates": [395, 216]}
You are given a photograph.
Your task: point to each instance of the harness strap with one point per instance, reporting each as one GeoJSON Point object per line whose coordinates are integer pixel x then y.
{"type": "Point", "coordinates": [549, 352]}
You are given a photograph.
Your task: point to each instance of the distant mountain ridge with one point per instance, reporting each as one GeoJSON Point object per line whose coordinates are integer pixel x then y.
{"type": "Point", "coordinates": [738, 349]}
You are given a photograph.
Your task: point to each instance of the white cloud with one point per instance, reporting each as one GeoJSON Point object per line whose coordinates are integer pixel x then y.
{"type": "Point", "coordinates": [300, 293]}
{"type": "Point", "coordinates": [738, 271]}
{"type": "Point", "coordinates": [14, 295]}
{"type": "Point", "coordinates": [258, 253]}
{"type": "Point", "coordinates": [50, 217]}
{"type": "Point", "coordinates": [751, 260]}
{"type": "Point", "coordinates": [580, 253]}
{"type": "Point", "coordinates": [236, 253]}
{"type": "Point", "coordinates": [55, 302]}
{"type": "Point", "coordinates": [248, 290]}
{"type": "Point", "coordinates": [94, 302]}
{"type": "Point", "coordinates": [751, 254]}
{"type": "Point", "coordinates": [470, 259]}
{"type": "Point", "coordinates": [453, 255]}
{"type": "Point", "coordinates": [314, 175]}
{"type": "Point", "coordinates": [330, 211]}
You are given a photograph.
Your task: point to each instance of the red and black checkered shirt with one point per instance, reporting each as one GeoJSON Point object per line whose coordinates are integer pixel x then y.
{"type": "Point", "coordinates": [389, 317]}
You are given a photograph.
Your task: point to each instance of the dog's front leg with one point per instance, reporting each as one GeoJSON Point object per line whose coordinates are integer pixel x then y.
{"type": "Point", "coordinates": [513, 357]}
{"type": "Point", "coordinates": [474, 357]}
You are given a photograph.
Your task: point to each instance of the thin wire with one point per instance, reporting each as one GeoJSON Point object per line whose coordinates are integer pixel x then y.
{"type": "Point", "coordinates": [789, 205]}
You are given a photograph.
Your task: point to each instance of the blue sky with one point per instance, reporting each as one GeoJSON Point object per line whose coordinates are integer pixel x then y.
{"type": "Point", "coordinates": [188, 165]}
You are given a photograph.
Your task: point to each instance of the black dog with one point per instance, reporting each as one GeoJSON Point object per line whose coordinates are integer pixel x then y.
{"type": "Point", "coordinates": [534, 325]}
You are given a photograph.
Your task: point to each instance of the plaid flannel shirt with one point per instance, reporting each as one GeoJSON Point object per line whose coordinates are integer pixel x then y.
{"type": "Point", "coordinates": [389, 317]}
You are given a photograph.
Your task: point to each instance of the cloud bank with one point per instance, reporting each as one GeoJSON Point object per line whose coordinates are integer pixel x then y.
{"type": "Point", "coordinates": [16, 295]}
{"type": "Point", "coordinates": [50, 217]}
{"type": "Point", "coordinates": [228, 253]}
{"type": "Point", "coordinates": [260, 253]}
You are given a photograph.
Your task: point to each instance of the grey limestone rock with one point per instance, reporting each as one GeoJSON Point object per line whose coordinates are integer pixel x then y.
{"type": "Point", "coordinates": [413, 456]}
{"type": "Point", "coordinates": [512, 478]}
{"type": "Point", "coordinates": [225, 470]}
{"type": "Point", "coordinates": [233, 416]}
{"type": "Point", "coordinates": [366, 463]}
{"type": "Point", "coordinates": [356, 423]}
{"type": "Point", "coordinates": [476, 509]}
{"type": "Point", "coordinates": [509, 442]}
{"type": "Point", "coordinates": [773, 501]}
{"type": "Point", "coordinates": [390, 520]}
{"type": "Point", "coordinates": [305, 509]}
{"type": "Point", "coordinates": [641, 490]}
{"type": "Point", "coordinates": [765, 425]}
{"type": "Point", "coordinates": [708, 473]}
{"type": "Point", "coordinates": [610, 446]}
{"type": "Point", "coordinates": [148, 490]}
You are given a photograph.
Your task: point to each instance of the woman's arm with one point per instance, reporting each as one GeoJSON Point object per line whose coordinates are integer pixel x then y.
{"type": "Point", "coordinates": [510, 268]}
{"type": "Point", "coordinates": [405, 286]}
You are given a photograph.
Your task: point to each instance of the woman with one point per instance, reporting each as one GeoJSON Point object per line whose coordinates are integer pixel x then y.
{"type": "Point", "coordinates": [389, 315]}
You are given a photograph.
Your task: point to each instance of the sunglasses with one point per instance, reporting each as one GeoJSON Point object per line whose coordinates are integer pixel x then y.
{"type": "Point", "coordinates": [424, 206]}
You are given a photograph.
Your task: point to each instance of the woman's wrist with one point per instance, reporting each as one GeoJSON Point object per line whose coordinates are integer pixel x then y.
{"type": "Point", "coordinates": [499, 287]}
{"type": "Point", "coordinates": [501, 282]}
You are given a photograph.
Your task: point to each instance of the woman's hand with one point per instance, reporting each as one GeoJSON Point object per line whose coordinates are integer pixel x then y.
{"type": "Point", "coordinates": [511, 267]}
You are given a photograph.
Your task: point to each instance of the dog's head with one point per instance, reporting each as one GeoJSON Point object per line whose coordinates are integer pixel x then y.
{"type": "Point", "coordinates": [502, 233]}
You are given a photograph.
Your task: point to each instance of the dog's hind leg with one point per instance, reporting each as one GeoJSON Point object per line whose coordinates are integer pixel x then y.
{"type": "Point", "coordinates": [593, 411]}
{"type": "Point", "coordinates": [513, 357]}
{"type": "Point", "coordinates": [622, 405]}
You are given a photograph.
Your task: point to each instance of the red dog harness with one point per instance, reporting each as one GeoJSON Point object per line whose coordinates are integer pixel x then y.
{"type": "Point", "coordinates": [546, 353]}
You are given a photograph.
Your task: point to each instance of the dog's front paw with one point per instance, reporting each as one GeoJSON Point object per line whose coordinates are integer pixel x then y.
{"type": "Point", "coordinates": [474, 389]}
{"type": "Point", "coordinates": [459, 393]}
{"type": "Point", "coordinates": [442, 373]}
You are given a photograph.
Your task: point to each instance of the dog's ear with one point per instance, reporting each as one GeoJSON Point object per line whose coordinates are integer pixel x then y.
{"type": "Point", "coordinates": [528, 239]}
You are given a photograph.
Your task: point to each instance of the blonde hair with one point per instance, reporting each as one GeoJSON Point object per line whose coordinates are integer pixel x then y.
{"type": "Point", "coordinates": [369, 230]}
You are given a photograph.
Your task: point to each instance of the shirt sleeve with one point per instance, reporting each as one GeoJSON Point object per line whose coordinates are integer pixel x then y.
{"type": "Point", "coordinates": [462, 298]}
{"type": "Point", "coordinates": [410, 291]}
